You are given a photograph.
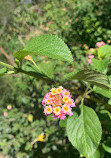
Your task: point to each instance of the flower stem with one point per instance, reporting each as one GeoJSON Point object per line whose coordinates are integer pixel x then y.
{"type": "Point", "coordinates": [6, 65]}
{"type": "Point", "coordinates": [35, 65]}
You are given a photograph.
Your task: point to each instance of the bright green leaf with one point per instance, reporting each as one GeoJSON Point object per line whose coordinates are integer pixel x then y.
{"type": "Point", "coordinates": [104, 51]}
{"type": "Point", "coordinates": [3, 71]}
{"type": "Point", "coordinates": [96, 154]}
{"type": "Point", "coordinates": [105, 93]}
{"type": "Point", "coordinates": [100, 65]}
{"type": "Point", "coordinates": [46, 45]}
{"type": "Point", "coordinates": [106, 148]}
{"type": "Point", "coordinates": [84, 131]}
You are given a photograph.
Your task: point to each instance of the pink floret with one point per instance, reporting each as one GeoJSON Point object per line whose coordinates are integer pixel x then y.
{"type": "Point", "coordinates": [89, 61]}
{"type": "Point", "coordinates": [54, 116]}
{"type": "Point", "coordinates": [70, 113]}
{"type": "Point", "coordinates": [99, 44]}
{"type": "Point", "coordinates": [62, 115]}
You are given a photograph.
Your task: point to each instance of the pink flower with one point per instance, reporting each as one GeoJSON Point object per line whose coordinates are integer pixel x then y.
{"type": "Point", "coordinates": [5, 114]}
{"type": "Point", "coordinates": [62, 116]}
{"type": "Point", "coordinates": [99, 44]}
{"type": "Point", "coordinates": [70, 113]}
{"type": "Point", "coordinates": [90, 56]}
{"type": "Point", "coordinates": [66, 109]}
{"type": "Point", "coordinates": [48, 110]}
{"type": "Point", "coordinates": [9, 107]}
{"type": "Point", "coordinates": [66, 23]}
{"type": "Point", "coordinates": [54, 116]}
{"type": "Point", "coordinates": [65, 92]}
{"type": "Point", "coordinates": [89, 61]}
{"type": "Point", "coordinates": [71, 103]}
{"type": "Point", "coordinates": [58, 102]}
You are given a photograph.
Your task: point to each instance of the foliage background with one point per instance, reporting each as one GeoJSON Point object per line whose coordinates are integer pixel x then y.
{"type": "Point", "coordinates": [81, 24]}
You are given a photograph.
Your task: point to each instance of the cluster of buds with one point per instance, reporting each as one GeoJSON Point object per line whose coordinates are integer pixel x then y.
{"type": "Point", "coordinates": [58, 102]}
{"type": "Point", "coordinates": [99, 44]}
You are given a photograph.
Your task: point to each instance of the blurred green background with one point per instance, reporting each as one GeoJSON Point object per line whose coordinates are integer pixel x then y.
{"type": "Point", "coordinates": [24, 130]}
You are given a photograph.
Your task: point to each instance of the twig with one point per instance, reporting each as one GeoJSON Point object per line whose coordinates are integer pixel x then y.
{"type": "Point", "coordinates": [7, 56]}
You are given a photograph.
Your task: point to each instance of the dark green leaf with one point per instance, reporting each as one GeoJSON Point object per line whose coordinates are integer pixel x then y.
{"type": "Point", "coordinates": [92, 77]}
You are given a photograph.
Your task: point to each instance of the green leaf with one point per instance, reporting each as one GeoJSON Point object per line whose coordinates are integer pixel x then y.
{"type": "Point", "coordinates": [96, 154]}
{"type": "Point", "coordinates": [106, 112]}
{"type": "Point", "coordinates": [3, 71]}
{"type": "Point", "coordinates": [68, 76]}
{"type": "Point", "coordinates": [106, 148]}
{"type": "Point", "coordinates": [104, 51]}
{"type": "Point", "coordinates": [84, 131]}
{"type": "Point", "coordinates": [105, 93]}
{"type": "Point", "coordinates": [46, 45]}
{"type": "Point", "coordinates": [47, 68]}
{"type": "Point", "coordinates": [100, 65]}
{"type": "Point", "coordinates": [62, 123]}
{"type": "Point", "coordinates": [92, 77]}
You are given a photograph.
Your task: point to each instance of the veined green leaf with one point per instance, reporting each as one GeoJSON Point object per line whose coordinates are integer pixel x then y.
{"type": "Point", "coordinates": [46, 45]}
{"type": "Point", "coordinates": [92, 77]}
{"type": "Point", "coordinates": [84, 131]}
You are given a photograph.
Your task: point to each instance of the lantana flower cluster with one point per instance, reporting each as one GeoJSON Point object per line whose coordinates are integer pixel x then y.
{"type": "Point", "coordinates": [58, 102]}
{"type": "Point", "coordinates": [99, 44]}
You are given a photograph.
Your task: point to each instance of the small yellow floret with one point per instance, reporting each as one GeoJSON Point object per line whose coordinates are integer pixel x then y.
{"type": "Point", "coordinates": [47, 101]}
{"type": "Point", "coordinates": [53, 91]}
{"type": "Point", "coordinates": [59, 90]}
{"type": "Point", "coordinates": [65, 99]}
{"type": "Point", "coordinates": [48, 109]}
{"type": "Point", "coordinates": [66, 108]}
{"type": "Point", "coordinates": [50, 96]}
{"type": "Point", "coordinates": [57, 110]}
{"type": "Point", "coordinates": [66, 93]}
